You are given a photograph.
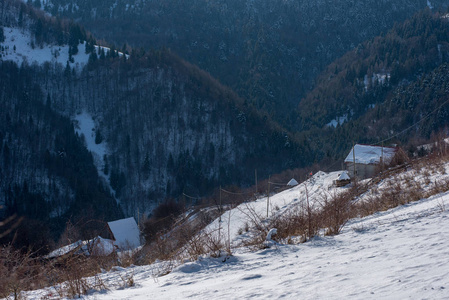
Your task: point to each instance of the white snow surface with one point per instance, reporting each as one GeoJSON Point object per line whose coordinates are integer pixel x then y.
{"type": "Point", "coordinates": [97, 247]}
{"type": "Point", "coordinates": [22, 40]}
{"type": "Point", "coordinates": [233, 222]}
{"type": "Point", "coordinates": [337, 121]}
{"type": "Point", "coordinates": [365, 154]}
{"type": "Point", "coordinates": [397, 254]}
{"type": "Point", "coordinates": [85, 125]}
{"type": "Point", "coordinates": [66, 249]}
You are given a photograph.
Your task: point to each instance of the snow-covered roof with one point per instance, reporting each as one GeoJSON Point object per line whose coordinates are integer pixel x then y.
{"type": "Point", "coordinates": [344, 176]}
{"type": "Point", "coordinates": [97, 247]}
{"type": "Point", "coordinates": [126, 233]}
{"type": "Point", "coordinates": [365, 154]}
{"type": "Point", "coordinates": [66, 249]}
{"type": "Point", "coordinates": [292, 182]}
{"type": "Point", "coordinates": [101, 247]}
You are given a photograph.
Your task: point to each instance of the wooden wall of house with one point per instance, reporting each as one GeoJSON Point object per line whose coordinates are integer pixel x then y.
{"type": "Point", "coordinates": [363, 171]}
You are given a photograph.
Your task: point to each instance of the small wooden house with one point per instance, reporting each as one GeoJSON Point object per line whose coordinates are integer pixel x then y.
{"type": "Point", "coordinates": [342, 180]}
{"type": "Point", "coordinates": [125, 233]}
{"type": "Point", "coordinates": [292, 182]}
{"type": "Point", "coordinates": [365, 161]}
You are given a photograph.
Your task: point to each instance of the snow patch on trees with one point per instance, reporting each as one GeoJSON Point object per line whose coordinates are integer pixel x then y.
{"type": "Point", "coordinates": [19, 46]}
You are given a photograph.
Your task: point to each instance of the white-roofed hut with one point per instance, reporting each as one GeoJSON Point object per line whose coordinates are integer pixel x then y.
{"type": "Point", "coordinates": [292, 182]}
{"type": "Point", "coordinates": [366, 161]}
{"type": "Point", "coordinates": [342, 180]}
{"type": "Point", "coordinates": [125, 233]}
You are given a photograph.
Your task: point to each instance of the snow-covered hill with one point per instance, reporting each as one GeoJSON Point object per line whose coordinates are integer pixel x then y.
{"type": "Point", "coordinates": [19, 46]}
{"type": "Point", "coordinates": [396, 254]}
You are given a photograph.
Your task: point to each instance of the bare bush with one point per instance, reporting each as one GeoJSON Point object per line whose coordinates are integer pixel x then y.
{"type": "Point", "coordinates": [23, 272]}
{"type": "Point", "coordinates": [336, 212]}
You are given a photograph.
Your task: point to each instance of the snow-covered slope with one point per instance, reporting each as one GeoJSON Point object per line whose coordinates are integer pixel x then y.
{"type": "Point", "coordinates": [85, 125]}
{"type": "Point", "coordinates": [397, 254]}
{"type": "Point", "coordinates": [234, 222]}
{"type": "Point", "coordinates": [19, 47]}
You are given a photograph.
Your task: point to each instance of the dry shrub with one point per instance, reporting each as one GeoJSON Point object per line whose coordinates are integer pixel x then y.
{"type": "Point", "coordinates": [294, 223]}
{"type": "Point", "coordinates": [20, 272]}
{"type": "Point", "coordinates": [68, 274]}
{"type": "Point", "coordinates": [336, 212]}
{"type": "Point", "coordinates": [186, 239]}
{"type": "Point", "coordinates": [73, 272]}
{"type": "Point", "coordinates": [204, 243]}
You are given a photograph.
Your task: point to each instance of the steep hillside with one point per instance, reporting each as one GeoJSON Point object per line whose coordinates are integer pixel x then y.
{"type": "Point", "coordinates": [166, 127]}
{"type": "Point", "coordinates": [268, 51]}
{"type": "Point", "coordinates": [48, 176]}
{"type": "Point", "coordinates": [171, 128]}
{"type": "Point", "coordinates": [384, 86]}
{"type": "Point", "coordinates": [393, 253]}
{"type": "Point", "coordinates": [49, 183]}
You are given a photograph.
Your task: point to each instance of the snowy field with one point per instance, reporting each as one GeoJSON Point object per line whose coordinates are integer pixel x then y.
{"type": "Point", "coordinates": [397, 254]}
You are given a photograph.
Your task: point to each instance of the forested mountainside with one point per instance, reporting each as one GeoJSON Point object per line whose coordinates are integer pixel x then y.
{"type": "Point", "coordinates": [269, 52]}
{"type": "Point", "coordinates": [47, 175]}
{"type": "Point", "coordinates": [383, 87]}
{"type": "Point", "coordinates": [169, 128]}
{"type": "Point", "coordinates": [48, 178]}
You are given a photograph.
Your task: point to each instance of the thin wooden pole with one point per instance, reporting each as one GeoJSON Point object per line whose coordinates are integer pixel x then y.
{"type": "Point", "coordinates": [268, 196]}
{"type": "Point", "coordinates": [219, 219]}
{"type": "Point", "coordinates": [382, 159]}
{"type": "Point", "coordinates": [353, 157]}
{"type": "Point", "coordinates": [255, 175]}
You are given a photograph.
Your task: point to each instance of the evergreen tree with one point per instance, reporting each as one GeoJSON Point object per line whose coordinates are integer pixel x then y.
{"type": "Point", "coordinates": [2, 35]}
{"type": "Point", "coordinates": [98, 137]}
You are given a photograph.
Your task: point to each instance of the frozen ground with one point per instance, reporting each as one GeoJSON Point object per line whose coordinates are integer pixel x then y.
{"type": "Point", "coordinates": [397, 254]}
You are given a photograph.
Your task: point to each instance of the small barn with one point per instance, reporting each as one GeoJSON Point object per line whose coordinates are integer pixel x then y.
{"type": "Point", "coordinates": [94, 247]}
{"type": "Point", "coordinates": [366, 160]}
{"type": "Point", "coordinates": [292, 182]}
{"type": "Point", "coordinates": [342, 180]}
{"type": "Point", "coordinates": [125, 233]}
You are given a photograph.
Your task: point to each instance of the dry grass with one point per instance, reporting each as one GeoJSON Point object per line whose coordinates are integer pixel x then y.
{"type": "Point", "coordinates": [68, 275]}
{"type": "Point", "coordinates": [398, 188]}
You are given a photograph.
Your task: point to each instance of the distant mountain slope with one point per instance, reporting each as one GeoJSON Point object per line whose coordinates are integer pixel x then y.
{"type": "Point", "coordinates": [268, 51]}
{"type": "Point", "coordinates": [382, 87]}
{"type": "Point", "coordinates": [48, 179]}
{"type": "Point", "coordinates": [48, 176]}
{"type": "Point", "coordinates": [169, 126]}
{"type": "Point", "coordinates": [361, 78]}
{"type": "Point", "coordinates": [422, 107]}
